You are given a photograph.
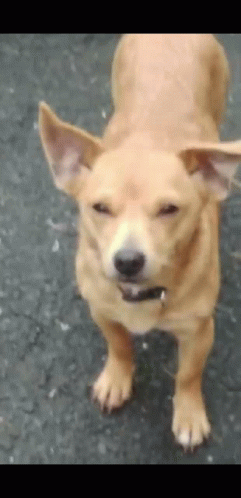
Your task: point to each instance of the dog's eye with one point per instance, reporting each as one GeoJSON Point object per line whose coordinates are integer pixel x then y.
{"type": "Point", "coordinates": [101, 208]}
{"type": "Point", "coordinates": [168, 209]}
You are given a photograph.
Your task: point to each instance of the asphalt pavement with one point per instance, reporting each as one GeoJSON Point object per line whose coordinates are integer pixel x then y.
{"type": "Point", "coordinates": [50, 349]}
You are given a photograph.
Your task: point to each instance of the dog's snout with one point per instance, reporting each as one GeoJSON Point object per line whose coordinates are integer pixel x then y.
{"type": "Point", "coordinates": [128, 262]}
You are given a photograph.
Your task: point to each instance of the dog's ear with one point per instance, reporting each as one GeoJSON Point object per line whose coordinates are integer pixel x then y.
{"type": "Point", "coordinates": [216, 163]}
{"type": "Point", "coordinates": [69, 150]}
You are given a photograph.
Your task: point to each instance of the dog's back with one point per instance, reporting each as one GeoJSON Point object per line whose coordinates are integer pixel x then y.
{"type": "Point", "coordinates": [159, 76]}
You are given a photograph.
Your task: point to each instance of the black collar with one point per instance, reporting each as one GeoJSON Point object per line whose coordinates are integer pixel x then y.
{"type": "Point", "coordinates": [143, 295]}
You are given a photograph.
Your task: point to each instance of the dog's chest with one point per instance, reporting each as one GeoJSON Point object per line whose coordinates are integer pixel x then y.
{"type": "Point", "coordinates": [143, 317]}
{"type": "Point", "coordinates": [140, 319]}
{"type": "Point", "coordinates": [181, 323]}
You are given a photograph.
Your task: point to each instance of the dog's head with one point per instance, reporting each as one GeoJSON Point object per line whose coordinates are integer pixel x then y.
{"type": "Point", "coordinates": [140, 208]}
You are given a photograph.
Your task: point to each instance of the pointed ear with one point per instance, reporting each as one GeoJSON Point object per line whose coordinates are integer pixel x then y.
{"type": "Point", "coordinates": [216, 163]}
{"type": "Point", "coordinates": [69, 150]}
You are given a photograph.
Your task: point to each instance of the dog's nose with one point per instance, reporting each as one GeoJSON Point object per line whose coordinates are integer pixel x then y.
{"type": "Point", "coordinates": [129, 262]}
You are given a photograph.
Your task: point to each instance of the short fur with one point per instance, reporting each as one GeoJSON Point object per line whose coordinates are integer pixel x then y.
{"type": "Point", "coordinates": [161, 148]}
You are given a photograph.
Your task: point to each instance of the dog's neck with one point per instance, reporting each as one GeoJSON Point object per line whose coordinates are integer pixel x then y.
{"type": "Point", "coordinates": [168, 136]}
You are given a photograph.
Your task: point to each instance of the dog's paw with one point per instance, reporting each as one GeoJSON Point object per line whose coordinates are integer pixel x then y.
{"type": "Point", "coordinates": [190, 424]}
{"type": "Point", "coordinates": [113, 386]}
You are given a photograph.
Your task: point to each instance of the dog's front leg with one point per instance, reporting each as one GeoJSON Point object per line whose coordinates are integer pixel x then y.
{"type": "Point", "coordinates": [114, 385]}
{"type": "Point", "coordinates": [190, 423]}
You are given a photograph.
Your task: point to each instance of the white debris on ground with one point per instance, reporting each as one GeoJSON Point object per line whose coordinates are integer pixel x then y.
{"type": "Point", "coordinates": [55, 247]}
{"type": "Point", "coordinates": [64, 326]}
{"type": "Point", "coordinates": [52, 393]}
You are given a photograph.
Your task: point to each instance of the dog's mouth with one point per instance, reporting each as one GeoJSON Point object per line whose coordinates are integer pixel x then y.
{"type": "Point", "coordinates": [135, 294]}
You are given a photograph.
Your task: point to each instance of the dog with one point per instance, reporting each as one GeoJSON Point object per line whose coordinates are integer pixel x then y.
{"type": "Point", "coordinates": [149, 192]}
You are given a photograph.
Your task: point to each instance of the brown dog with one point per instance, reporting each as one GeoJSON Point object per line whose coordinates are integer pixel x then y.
{"type": "Point", "coordinates": [148, 192]}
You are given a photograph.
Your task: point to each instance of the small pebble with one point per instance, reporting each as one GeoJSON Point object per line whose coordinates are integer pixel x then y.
{"type": "Point", "coordinates": [52, 392]}
{"type": "Point", "coordinates": [63, 326]}
{"type": "Point", "coordinates": [102, 448]}
{"type": "Point", "coordinates": [55, 247]}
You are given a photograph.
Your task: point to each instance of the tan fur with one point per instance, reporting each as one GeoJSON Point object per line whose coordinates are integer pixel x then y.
{"type": "Point", "coordinates": [161, 147]}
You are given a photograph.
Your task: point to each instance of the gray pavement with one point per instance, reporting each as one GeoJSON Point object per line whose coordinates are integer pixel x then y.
{"type": "Point", "coordinates": [50, 350]}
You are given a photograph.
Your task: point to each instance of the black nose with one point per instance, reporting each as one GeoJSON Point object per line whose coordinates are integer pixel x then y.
{"type": "Point", "coordinates": [129, 262]}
